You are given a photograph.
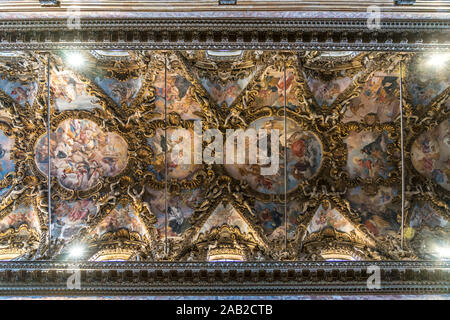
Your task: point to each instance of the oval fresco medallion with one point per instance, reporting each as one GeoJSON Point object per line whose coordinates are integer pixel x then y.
{"type": "Point", "coordinates": [303, 151]}
{"type": "Point", "coordinates": [81, 154]}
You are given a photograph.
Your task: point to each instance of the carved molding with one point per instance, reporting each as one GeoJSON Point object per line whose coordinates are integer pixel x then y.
{"type": "Point", "coordinates": [204, 33]}
{"type": "Point", "coordinates": [143, 278]}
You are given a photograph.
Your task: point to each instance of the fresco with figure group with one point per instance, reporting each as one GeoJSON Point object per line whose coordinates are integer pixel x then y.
{"type": "Point", "coordinates": [68, 217]}
{"type": "Point", "coordinates": [378, 212]}
{"type": "Point", "coordinates": [121, 92]}
{"type": "Point", "coordinates": [329, 218]}
{"type": "Point", "coordinates": [6, 163]}
{"type": "Point", "coordinates": [379, 96]}
{"type": "Point", "coordinates": [226, 94]}
{"type": "Point", "coordinates": [326, 92]}
{"type": "Point", "coordinates": [21, 92]}
{"type": "Point", "coordinates": [121, 217]}
{"type": "Point", "coordinates": [426, 80]}
{"type": "Point", "coordinates": [303, 152]}
{"type": "Point", "coordinates": [82, 154]}
{"type": "Point", "coordinates": [94, 158]}
{"type": "Point", "coordinates": [24, 215]}
{"type": "Point", "coordinates": [426, 227]}
{"type": "Point", "coordinates": [164, 142]}
{"type": "Point", "coordinates": [180, 96]}
{"type": "Point", "coordinates": [270, 217]}
{"type": "Point", "coordinates": [271, 89]}
{"type": "Point", "coordinates": [367, 154]}
{"type": "Point", "coordinates": [180, 208]}
{"type": "Point", "coordinates": [430, 154]}
{"type": "Point", "coordinates": [69, 92]}
{"type": "Point", "coordinates": [423, 214]}
{"type": "Point", "coordinates": [156, 200]}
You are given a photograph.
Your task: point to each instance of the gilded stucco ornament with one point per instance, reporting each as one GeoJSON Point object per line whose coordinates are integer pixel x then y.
{"type": "Point", "coordinates": [141, 119]}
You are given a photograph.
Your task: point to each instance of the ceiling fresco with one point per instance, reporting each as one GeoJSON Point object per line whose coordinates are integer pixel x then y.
{"type": "Point", "coordinates": [118, 187]}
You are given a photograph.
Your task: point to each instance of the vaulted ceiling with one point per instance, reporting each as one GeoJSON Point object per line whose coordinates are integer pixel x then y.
{"type": "Point", "coordinates": [117, 191]}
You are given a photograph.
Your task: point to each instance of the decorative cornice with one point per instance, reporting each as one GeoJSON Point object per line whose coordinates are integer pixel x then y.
{"type": "Point", "coordinates": [146, 278]}
{"type": "Point", "coordinates": [226, 33]}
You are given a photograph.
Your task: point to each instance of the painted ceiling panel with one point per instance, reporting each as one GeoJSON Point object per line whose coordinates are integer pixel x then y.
{"type": "Point", "coordinates": [225, 74]}
{"type": "Point", "coordinates": [271, 219]}
{"type": "Point", "coordinates": [82, 154]}
{"type": "Point", "coordinates": [167, 143]}
{"type": "Point", "coordinates": [21, 216]}
{"type": "Point", "coordinates": [271, 92]}
{"type": "Point", "coordinates": [426, 79]}
{"type": "Point", "coordinates": [430, 154]}
{"type": "Point", "coordinates": [329, 218]}
{"type": "Point", "coordinates": [273, 181]}
{"type": "Point", "coordinates": [181, 89]}
{"type": "Point", "coordinates": [228, 92]}
{"type": "Point", "coordinates": [379, 212]}
{"type": "Point", "coordinates": [428, 227]}
{"type": "Point", "coordinates": [156, 202]}
{"type": "Point", "coordinates": [225, 215]}
{"type": "Point", "coordinates": [379, 96]}
{"type": "Point", "coordinates": [6, 161]}
{"type": "Point", "coordinates": [423, 214]}
{"type": "Point", "coordinates": [126, 184]}
{"type": "Point", "coordinates": [121, 92]}
{"type": "Point", "coordinates": [121, 217]}
{"type": "Point", "coordinates": [326, 92]}
{"type": "Point", "coordinates": [367, 154]}
{"type": "Point", "coordinates": [180, 209]}
{"type": "Point", "coordinates": [68, 217]}
{"type": "Point", "coordinates": [20, 75]}
{"type": "Point", "coordinates": [69, 92]}
{"type": "Point", "coordinates": [22, 93]}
